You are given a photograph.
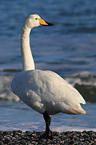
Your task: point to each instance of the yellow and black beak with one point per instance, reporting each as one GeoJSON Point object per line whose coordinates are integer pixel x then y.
{"type": "Point", "coordinates": [44, 23]}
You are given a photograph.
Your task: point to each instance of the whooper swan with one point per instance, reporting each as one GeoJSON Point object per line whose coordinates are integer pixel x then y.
{"type": "Point", "coordinates": [44, 91]}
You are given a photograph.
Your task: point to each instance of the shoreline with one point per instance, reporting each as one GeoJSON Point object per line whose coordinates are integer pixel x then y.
{"type": "Point", "coordinates": [33, 137]}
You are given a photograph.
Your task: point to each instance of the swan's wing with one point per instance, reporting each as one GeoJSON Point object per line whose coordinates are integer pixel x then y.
{"type": "Point", "coordinates": [51, 87]}
{"type": "Point", "coordinates": [55, 91]}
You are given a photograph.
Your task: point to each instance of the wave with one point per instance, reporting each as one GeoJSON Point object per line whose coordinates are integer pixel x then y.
{"type": "Point", "coordinates": [72, 128]}
{"type": "Point", "coordinates": [6, 93]}
{"type": "Point", "coordinates": [84, 82]}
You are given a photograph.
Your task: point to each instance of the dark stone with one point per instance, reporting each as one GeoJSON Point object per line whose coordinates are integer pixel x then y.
{"type": "Point", "coordinates": [1, 143]}
{"type": "Point", "coordinates": [32, 137]}
{"type": "Point", "coordinates": [7, 140]}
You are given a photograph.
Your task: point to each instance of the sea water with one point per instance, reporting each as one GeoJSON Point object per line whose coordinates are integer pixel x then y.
{"type": "Point", "coordinates": [67, 48]}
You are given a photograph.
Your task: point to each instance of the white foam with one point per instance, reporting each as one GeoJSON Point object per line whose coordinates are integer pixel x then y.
{"type": "Point", "coordinates": [71, 128]}
{"type": "Point", "coordinates": [5, 89]}
{"type": "Point", "coordinates": [82, 78]}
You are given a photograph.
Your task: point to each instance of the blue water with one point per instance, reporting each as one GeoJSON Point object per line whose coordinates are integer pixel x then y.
{"type": "Point", "coordinates": [18, 116]}
{"type": "Point", "coordinates": [68, 48]}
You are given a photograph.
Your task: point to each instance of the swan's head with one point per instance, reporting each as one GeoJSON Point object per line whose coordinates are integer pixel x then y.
{"type": "Point", "coordinates": [35, 21]}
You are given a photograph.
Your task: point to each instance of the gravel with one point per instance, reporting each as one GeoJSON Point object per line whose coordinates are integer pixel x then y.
{"type": "Point", "coordinates": [33, 138]}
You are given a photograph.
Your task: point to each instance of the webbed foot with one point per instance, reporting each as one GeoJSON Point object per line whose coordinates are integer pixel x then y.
{"type": "Point", "coordinates": [47, 135]}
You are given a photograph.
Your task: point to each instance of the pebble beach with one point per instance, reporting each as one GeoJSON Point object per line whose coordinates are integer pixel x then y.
{"type": "Point", "coordinates": [33, 138]}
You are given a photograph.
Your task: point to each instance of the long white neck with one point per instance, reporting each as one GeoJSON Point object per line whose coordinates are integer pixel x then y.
{"type": "Point", "coordinates": [28, 62]}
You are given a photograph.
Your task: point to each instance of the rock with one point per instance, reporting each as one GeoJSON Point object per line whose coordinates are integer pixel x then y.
{"type": "Point", "coordinates": [33, 137]}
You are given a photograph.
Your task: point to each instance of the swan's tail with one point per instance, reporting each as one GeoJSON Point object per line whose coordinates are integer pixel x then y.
{"type": "Point", "coordinates": [84, 112]}
{"type": "Point", "coordinates": [76, 111]}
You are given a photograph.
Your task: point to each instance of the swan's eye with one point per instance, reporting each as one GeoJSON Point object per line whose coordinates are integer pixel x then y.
{"type": "Point", "coordinates": [36, 18]}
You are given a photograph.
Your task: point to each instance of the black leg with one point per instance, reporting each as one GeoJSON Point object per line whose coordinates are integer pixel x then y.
{"type": "Point", "coordinates": [48, 132]}
{"type": "Point", "coordinates": [47, 121]}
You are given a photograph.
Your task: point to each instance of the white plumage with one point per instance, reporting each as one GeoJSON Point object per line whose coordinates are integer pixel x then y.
{"type": "Point", "coordinates": [47, 91]}
{"type": "Point", "coordinates": [43, 91]}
